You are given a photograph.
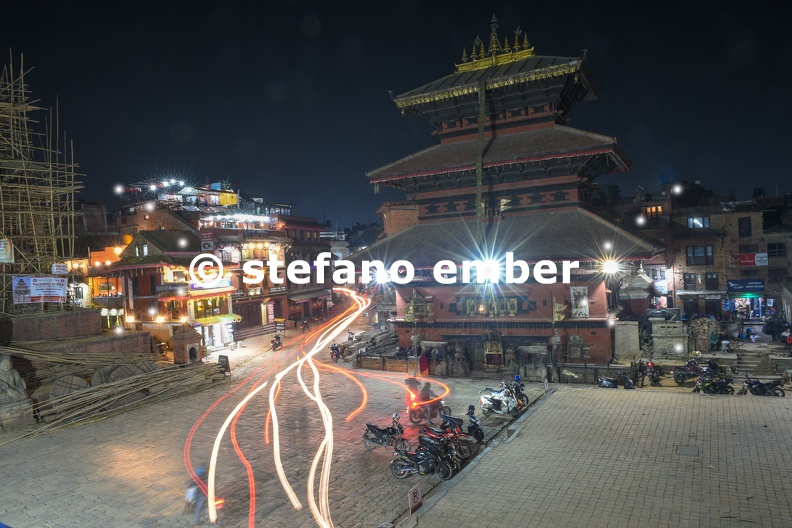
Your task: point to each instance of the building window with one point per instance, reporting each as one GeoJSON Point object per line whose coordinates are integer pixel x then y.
{"type": "Point", "coordinates": [698, 222]}
{"type": "Point", "coordinates": [744, 227]}
{"type": "Point", "coordinates": [699, 255]}
{"type": "Point", "coordinates": [145, 249]}
{"type": "Point", "coordinates": [776, 250]}
{"type": "Point", "coordinates": [749, 248]}
{"type": "Point", "coordinates": [691, 281]}
{"type": "Point", "coordinates": [711, 281]}
{"type": "Point", "coordinates": [657, 273]}
{"type": "Point", "coordinates": [777, 275]}
{"type": "Point", "coordinates": [137, 250]}
{"type": "Point", "coordinates": [652, 212]}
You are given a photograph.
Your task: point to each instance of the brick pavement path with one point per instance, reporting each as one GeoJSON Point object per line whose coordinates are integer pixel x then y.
{"type": "Point", "coordinates": [128, 470]}
{"type": "Point", "coordinates": [601, 457]}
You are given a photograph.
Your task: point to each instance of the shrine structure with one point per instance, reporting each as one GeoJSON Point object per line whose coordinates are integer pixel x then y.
{"type": "Point", "coordinates": [508, 175]}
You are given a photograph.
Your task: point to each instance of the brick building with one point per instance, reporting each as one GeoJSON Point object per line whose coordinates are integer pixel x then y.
{"type": "Point", "coordinates": [508, 175]}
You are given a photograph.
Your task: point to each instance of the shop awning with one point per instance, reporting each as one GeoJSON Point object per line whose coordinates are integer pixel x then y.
{"type": "Point", "coordinates": [171, 296]}
{"type": "Point", "coordinates": [306, 296]}
{"type": "Point", "coordinates": [222, 318]}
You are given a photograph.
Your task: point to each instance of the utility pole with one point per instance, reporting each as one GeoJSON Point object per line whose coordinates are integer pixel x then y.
{"type": "Point", "coordinates": [482, 89]}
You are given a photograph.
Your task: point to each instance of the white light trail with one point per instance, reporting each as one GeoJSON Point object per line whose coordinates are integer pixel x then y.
{"type": "Point", "coordinates": [216, 448]}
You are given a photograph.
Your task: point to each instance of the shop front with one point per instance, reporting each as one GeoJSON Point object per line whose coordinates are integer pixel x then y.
{"type": "Point", "coordinates": [217, 330]}
{"type": "Point", "coordinates": [746, 298]}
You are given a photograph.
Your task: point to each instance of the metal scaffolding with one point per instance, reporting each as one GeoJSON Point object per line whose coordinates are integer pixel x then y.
{"type": "Point", "coordinates": [38, 183]}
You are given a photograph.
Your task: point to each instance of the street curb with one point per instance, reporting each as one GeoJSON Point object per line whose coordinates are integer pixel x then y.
{"type": "Point", "coordinates": [438, 492]}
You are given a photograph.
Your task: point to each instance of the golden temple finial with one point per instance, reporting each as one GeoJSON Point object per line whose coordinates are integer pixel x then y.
{"type": "Point", "coordinates": [494, 46]}
{"type": "Point", "coordinates": [474, 52]}
{"type": "Point", "coordinates": [481, 58]}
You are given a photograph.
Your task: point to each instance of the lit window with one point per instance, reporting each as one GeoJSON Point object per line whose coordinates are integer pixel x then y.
{"type": "Point", "coordinates": [698, 222]}
{"type": "Point", "coordinates": [145, 249]}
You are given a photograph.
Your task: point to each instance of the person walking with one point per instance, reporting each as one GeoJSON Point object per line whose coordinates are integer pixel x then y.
{"type": "Point", "coordinates": [423, 363]}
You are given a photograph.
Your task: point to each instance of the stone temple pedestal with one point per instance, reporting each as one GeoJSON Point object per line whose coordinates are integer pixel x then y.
{"type": "Point", "coordinates": [16, 414]}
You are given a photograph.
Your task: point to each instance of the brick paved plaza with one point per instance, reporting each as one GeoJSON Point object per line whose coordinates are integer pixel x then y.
{"type": "Point", "coordinates": [605, 457]}
{"type": "Point", "coordinates": [583, 457]}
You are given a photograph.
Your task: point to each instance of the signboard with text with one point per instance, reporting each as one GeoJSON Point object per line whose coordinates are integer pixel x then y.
{"type": "Point", "coordinates": [745, 285]}
{"type": "Point", "coordinates": [753, 259]}
{"type": "Point", "coordinates": [39, 289]}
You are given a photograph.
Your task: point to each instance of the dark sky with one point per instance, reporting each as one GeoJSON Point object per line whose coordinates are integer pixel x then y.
{"type": "Point", "coordinates": [290, 99]}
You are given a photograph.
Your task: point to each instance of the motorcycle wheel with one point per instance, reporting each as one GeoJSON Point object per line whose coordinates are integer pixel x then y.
{"type": "Point", "coordinates": [680, 378]}
{"type": "Point", "coordinates": [727, 390]}
{"type": "Point", "coordinates": [515, 413]}
{"type": "Point", "coordinates": [401, 445]}
{"type": "Point", "coordinates": [464, 450]}
{"type": "Point", "coordinates": [444, 471]}
{"type": "Point", "coordinates": [399, 469]}
{"type": "Point", "coordinates": [416, 415]}
{"type": "Point", "coordinates": [696, 389]}
{"type": "Point", "coordinates": [742, 392]}
{"type": "Point", "coordinates": [369, 443]}
{"type": "Point", "coordinates": [524, 400]}
{"type": "Point", "coordinates": [478, 434]}
{"type": "Point", "coordinates": [778, 391]}
{"type": "Point", "coordinates": [485, 411]}
{"type": "Point", "coordinates": [445, 409]}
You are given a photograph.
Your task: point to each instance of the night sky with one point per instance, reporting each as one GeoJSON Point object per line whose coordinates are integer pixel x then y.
{"type": "Point", "coordinates": [290, 99]}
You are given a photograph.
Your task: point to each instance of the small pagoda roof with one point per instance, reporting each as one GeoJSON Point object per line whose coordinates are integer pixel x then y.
{"type": "Point", "coordinates": [553, 142]}
{"type": "Point", "coordinates": [564, 235]}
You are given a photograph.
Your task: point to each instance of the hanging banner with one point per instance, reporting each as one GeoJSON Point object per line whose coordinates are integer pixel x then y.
{"type": "Point", "coordinates": [28, 290]}
{"type": "Point", "coordinates": [753, 259]}
{"type": "Point", "coordinates": [579, 296]}
{"type": "Point", "coordinates": [6, 251]}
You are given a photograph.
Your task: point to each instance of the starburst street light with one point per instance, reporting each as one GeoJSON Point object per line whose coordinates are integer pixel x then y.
{"type": "Point", "coordinates": [610, 266]}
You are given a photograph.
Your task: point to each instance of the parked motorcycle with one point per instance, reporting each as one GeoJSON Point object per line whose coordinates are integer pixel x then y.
{"type": "Point", "coordinates": [518, 389]}
{"type": "Point", "coordinates": [613, 383]}
{"type": "Point", "coordinates": [386, 436]}
{"type": "Point", "coordinates": [276, 343]}
{"type": "Point", "coordinates": [689, 370]}
{"type": "Point", "coordinates": [760, 388]}
{"type": "Point", "coordinates": [421, 462]}
{"type": "Point", "coordinates": [335, 353]}
{"type": "Point", "coordinates": [711, 385]}
{"type": "Point", "coordinates": [443, 448]}
{"type": "Point", "coordinates": [474, 430]}
{"type": "Point", "coordinates": [462, 449]}
{"type": "Point", "coordinates": [652, 374]}
{"type": "Point", "coordinates": [499, 402]}
{"type": "Point", "coordinates": [427, 411]}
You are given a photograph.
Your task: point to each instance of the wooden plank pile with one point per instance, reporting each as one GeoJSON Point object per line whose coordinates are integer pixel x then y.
{"type": "Point", "coordinates": [75, 389]}
{"type": "Point", "coordinates": [376, 343]}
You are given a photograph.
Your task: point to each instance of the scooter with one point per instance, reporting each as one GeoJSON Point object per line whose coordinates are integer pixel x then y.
{"type": "Point", "coordinates": [474, 429]}
{"type": "Point", "coordinates": [612, 383]}
{"type": "Point", "coordinates": [276, 343]}
{"type": "Point", "coordinates": [499, 402]}
{"type": "Point", "coordinates": [427, 411]}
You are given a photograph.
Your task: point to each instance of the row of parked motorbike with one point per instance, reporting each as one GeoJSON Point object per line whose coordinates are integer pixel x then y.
{"type": "Point", "coordinates": [711, 380]}
{"type": "Point", "coordinates": [441, 451]}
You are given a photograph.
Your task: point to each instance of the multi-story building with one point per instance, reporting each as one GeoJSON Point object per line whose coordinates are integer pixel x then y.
{"type": "Point", "coordinates": [508, 175]}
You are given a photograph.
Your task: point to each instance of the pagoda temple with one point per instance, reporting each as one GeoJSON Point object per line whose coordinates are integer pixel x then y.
{"type": "Point", "coordinates": [508, 175]}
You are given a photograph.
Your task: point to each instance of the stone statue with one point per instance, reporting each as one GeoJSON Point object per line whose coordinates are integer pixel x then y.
{"type": "Point", "coordinates": [12, 386]}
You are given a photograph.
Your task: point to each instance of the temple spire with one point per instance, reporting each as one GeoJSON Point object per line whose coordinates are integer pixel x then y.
{"type": "Point", "coordinates": [480, 57]}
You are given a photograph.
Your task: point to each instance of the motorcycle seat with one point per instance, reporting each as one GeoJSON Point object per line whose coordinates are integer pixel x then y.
{"type": "Point", "coordinates": [451, 419]}
{"type": "Point", "coordinates": [438, 432]}
{"type": "Point", "coordinates": [379, 430]}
